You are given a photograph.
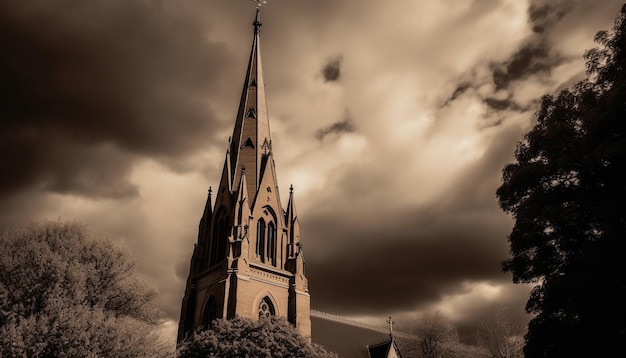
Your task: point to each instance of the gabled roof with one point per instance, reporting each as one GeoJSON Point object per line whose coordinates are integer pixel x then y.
{"type": "Point", "coordinates": [383, 349]}
{"type": "Point", "coordinates": [346, 339]}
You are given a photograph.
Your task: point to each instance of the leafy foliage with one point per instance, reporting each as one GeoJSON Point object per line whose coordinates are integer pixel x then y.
{"type": "Point", "coordinates": [566, 192]}
{"type": "Point", "coordinates": [63, 293]}
{"type": "Point", "coordinates": [242, 337]}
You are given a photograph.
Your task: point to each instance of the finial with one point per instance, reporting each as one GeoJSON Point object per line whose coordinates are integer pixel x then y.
{"type": "Point", "coordinates": [390, 325]}
{"type": "Point", "coordinates": [291, 189]}
{"type": "Point", "coordinates": [243, 170]}
{"type": "Point", "coordinates": [257, 20]}
{"type": "Point", "coordinates": [259, 3]}
{"type": "Point", "coordinates": [210, 191]}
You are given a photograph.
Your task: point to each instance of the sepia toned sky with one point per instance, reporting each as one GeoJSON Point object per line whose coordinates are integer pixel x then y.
{"type": "Point", "coordinates": [392, 120]}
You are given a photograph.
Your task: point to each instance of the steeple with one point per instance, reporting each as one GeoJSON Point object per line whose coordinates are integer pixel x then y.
{"type": "Point", "coordinates": [248, 260]}
{"type": "Point", "coordinates": [208, 210]}
{"type": "Point", "coordinates": [293, 225]}
{"type": "Point", "coordinates": [251, 138]}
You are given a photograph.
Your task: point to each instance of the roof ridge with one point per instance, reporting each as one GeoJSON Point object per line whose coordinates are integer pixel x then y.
{"type": "Point", "coordinates": [337, 318]}
{"type": "Point", "coordinates": [386, 341]}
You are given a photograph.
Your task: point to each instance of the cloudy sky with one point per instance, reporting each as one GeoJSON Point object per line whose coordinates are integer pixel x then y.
{"type": "Point", "coordinates": [392, 120]}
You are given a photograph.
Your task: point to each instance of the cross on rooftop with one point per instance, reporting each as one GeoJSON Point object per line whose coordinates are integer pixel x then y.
{"type": "Point", "coordinates": [390, 325]}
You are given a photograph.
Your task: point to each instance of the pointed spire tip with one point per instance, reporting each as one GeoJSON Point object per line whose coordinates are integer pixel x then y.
{"type": "Point", "coordinates": [257, 21]}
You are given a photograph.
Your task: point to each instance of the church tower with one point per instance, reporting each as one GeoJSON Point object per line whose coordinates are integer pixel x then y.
{"type": "Point", "coordinates": [248, 260]}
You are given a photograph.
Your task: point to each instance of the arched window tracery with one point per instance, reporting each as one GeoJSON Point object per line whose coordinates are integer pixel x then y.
{"type": "Point", "coordinates": [266, 308]}
{"type": "Point", "coordinates": [219, 240]}
{"type": "Point", "coordinates": [271, 243]}
{"type": "Point", "coordinates": [266, 242]}
{"type": "Point", "coordinates": [260, 240]}
{"type": "Point", "coordinates": [223, 240]}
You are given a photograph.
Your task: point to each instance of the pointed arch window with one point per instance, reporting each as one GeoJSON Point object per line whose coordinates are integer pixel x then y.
{"type": "Point", "coordinates": [248, 144]}
{"type": "Point", "coordinates": [260, 240]}
{"type": "Point", "coordinates": [251, 113]}
{"type": "Point", "coordinates": [218, 245]}
{"type": "Point", "coordinates": [221, 247]}
{"type": "Point", "coordinates": [266, 242]}
{"type": "Point", "coordinates": [214, 243]}
{"type": "Point", "coordinates": [267, 146]}
{"type": "Point", "coordinates": [271, 243]}
{"type": "Point", "coordinates": [266, 308]}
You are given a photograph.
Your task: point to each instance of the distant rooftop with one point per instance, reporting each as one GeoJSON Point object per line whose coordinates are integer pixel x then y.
{"type": "Point", "coordinates": [348, 338]}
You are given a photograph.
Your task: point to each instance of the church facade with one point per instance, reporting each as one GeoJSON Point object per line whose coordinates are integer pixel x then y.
{"type": "Point", "coordinates": [247, 260]}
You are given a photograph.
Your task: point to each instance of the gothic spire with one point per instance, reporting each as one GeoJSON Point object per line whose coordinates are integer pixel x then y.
{"type": "Point", "coordinates": [293, 225]}
{"type": "Point", "coordinates": [257, 22]}
{"type": "Point", "coordinates": [251, 139]}
{"type": "Point", "coordinates": [242, 206]}
{"type": "Point", "coordinates": [208, 211]}
{"type": "Point", "coordinates": [247, 247]}
{"type": "Point", "coordinates": [292, 215]}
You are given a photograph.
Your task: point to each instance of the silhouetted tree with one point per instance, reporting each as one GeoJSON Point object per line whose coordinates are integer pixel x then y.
{"type": "Point", "coordinates": [64, 294]}
{"type": "Point", "coordinates": [500, 335]}
{"type": "Point", "coordinates": [271, 337]}
{"type": "Point", "coordinates": [437, 337]}
{"type": "Point", "coordinates": [566, 192]}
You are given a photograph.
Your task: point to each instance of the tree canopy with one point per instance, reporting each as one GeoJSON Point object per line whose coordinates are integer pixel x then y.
{"type": "Point", "coordinates": [271, 337]}
{"type": "Point", "coordinates": [500, 335]}
{"type": "Point", "coordinates": [437, 337]}
{"type": "Point", "coordinates": [566, 192]}
{"type": "Point", "coordinates": [65, 294]}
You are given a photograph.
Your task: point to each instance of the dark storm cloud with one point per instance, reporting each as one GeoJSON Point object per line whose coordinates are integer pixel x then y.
{"type": "Point", "coordinates": [474, 191]}
{"type": "Point", "coordinates": [497, 104]}
{"type": "Point", "coordinates": [413, 256]}
{"type": "Point", "coordinates": [344, 126]}
{"type": "Point", "coordinates": [66, 167]}
{"type": "Point", "coordinates": [332, 69]}
{"type": "Point", "coordinates": [494, 104]}
{"type": "Point", "coordinates": [535, 55]}
{"type": "Point", "coordinates": [544, 15]}
{"type": "Point", "coordinates": [501, 104]}
{"type": "Point", "coordinates": [86, 86]}
{"type": "Point", "coordinates": [458, 91]}
{"type": "Point", "coordinates": [532, 58]}
{"type": "Point", "coordinates": [409, 269]}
